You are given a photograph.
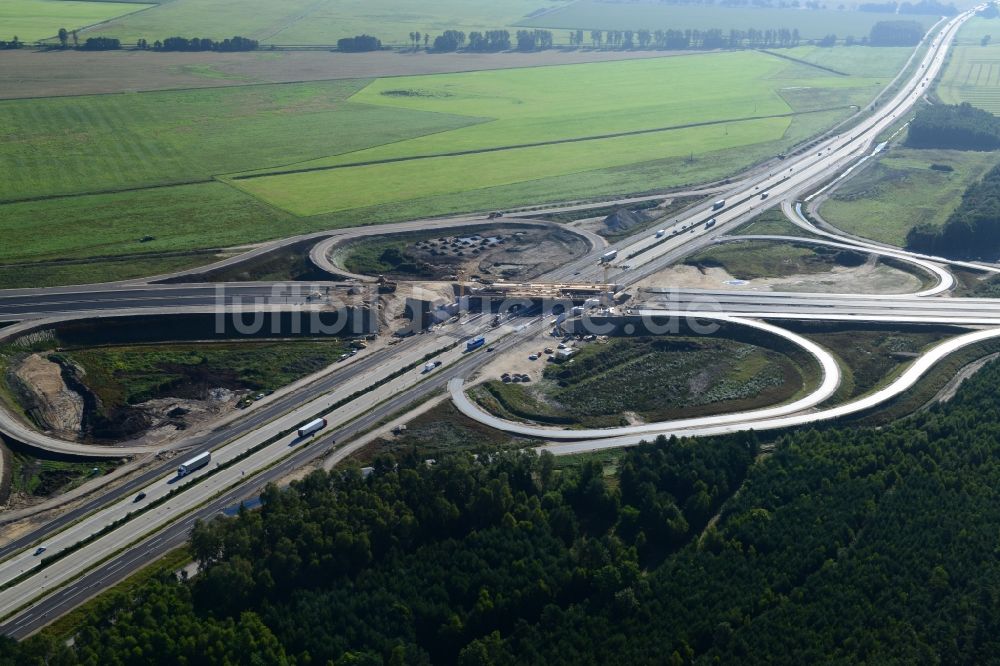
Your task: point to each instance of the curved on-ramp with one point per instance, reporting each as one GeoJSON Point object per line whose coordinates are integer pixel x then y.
{"type": "Point", "coordinates": [945, 280]}
{"type": "Point", "coordinates": [830, 381]}
{"type": "Point", "coordinates": [901, 384]}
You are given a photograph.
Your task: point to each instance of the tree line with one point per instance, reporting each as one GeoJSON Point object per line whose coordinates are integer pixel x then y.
{"type": "Point", "coordinates": [884, 33]}
{"type": "Point", "coordinates": [841, 544]}
{"type": "Point", "coordinates": [896, 33]}
{"type": "Point", "coordinates": [359, 43]}
{"type": "Point", "coordinates": [927, 7]}
{"type": "Point", "coordinates": [958, 126]}
{"type": "Point", "coordinates": [972, 231]}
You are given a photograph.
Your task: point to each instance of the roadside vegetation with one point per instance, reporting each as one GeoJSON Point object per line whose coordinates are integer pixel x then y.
{"type": "Point", "coordinates": [652, 379]}
{"type": "Point", "coordinates": [903, 189]}
{"type": "Point", "coordinates": [35, 476]}
{"type": "Point", "coordinates": [870, 355]}
{"type": "Point", "coordinates": [95, 270]}
{"type": "Point", "coordinates": [722, 549]}
{"type": "Point", "coordinates": [122, 376]}
{"type": "Point", "coordinates": [771, 221]}
{"type": "Point", "coordinates": [752, 260]}
{"type": "Point", "coordinates": [441, 431]}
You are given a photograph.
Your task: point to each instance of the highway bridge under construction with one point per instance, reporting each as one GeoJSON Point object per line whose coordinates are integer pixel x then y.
{"type": "Point", "coordinates": [106, 535]}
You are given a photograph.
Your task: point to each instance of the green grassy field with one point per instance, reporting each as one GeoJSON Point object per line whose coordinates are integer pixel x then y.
{"type": "Point", "coordinates": [98, 270]}
{"type": "Point", "coordinates": [58, 146]}
{"type": "Point", "coordinates": [180, 218]}
{"type": "Point", "coordinates": [92, 143]}
{"type": "Point", "coordinates": [31, 20]}
{"type": "Point", "coordinates": [901, 191]}
{"type": "Point", "coordinates": [320, 21]}
{"type": "Point", "coordinates": [547, 104]}
{"type": "Point", "coordinates": [811, 24]}
{"type": "Point", "coordinates": [973, 71]}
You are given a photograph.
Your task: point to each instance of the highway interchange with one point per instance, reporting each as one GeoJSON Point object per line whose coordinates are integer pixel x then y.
{"type": "Point", "coordinates": [109, 535]}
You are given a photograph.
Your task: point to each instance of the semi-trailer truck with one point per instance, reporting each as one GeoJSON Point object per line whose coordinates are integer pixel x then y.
{"type": "Point", "coordinates": [609, 256]}
{"type": "Point", "coordinates": [721, 203]}
{"type": "Point", "coordinates": [312, 427]}
{"type": "Point", "coordinates": [197, 462]}
{"type": "Point", "coordinates": [475, 343]}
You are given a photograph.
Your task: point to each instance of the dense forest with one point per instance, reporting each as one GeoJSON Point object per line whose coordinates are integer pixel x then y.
{"type": "Point", "coordinates": [896, 33]}
{"type": "Point", "coordinates": [972, 231]}
{"type": "Point", "coordinates": [958, 126]}
{"type": "Point", "coordinates": [833, 545]}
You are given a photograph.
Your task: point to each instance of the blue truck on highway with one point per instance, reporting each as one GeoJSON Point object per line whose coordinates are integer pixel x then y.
{"type": "Point", "coordinates": [475, 343]}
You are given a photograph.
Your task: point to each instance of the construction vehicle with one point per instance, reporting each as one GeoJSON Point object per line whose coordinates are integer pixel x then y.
{"type": "Point", "coordinates": [385, 286]}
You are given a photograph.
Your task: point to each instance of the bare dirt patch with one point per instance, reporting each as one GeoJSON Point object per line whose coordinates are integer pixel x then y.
{"type": "Point", "coordinates": [46, 397]}
{"type": "Point", "coordinates": [496, 254]}
{"type": "Point", "coordinates": [25, 73]}
{"type": "Point", "coordinates": [872, 277]}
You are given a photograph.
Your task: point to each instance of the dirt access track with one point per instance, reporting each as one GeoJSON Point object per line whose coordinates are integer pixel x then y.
{"type": "Point", "coordinates": [26, 73]}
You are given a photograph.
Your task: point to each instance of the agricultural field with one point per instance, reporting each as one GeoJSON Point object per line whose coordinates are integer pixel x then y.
{"type": "Point", "coordinates": [649, 379]}
{"type": "Point", "coordinates": [32, 20]}
{"type": "Point", "coordinates": [811, 23]}
{"type": "Point", "coordinates": [301, 22]}
{"type": "Point", "coordinates": [184, 217]}
{"type": "Point", "coordinates": [97, 143]}
{"type": "Point", "coordinates": [545, 123]}
{"type": "Point", "coordinates": [973, 71]}
{"type": "Point", "coordinates": [111, 142]}
{"type": "Point", "coordinates": [900, 191]}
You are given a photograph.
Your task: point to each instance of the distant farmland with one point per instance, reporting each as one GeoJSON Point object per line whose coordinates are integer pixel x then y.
{"type": "Point", "coordinates": [811, 23]}
{"type": "Point", "coordinates": [748, 96]}
{"type": "Point", "coordinates": [31, 20]}
{"type": "Point", "coordinates": [151, 143]}
{"type": "Point", "coordinates": [319, 21]}
{"type": "Point", "coordinates": [973, 73]}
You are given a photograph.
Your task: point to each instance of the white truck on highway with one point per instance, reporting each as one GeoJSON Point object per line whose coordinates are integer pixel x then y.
{"type": "Point", "coordinates": [197, 462]}
{"type": "Point", "coordinates": [312, 427]}
{"type": "Point", "coordinates": [721, 203]}
{"type": "Point", "coordinates": [609, 256]}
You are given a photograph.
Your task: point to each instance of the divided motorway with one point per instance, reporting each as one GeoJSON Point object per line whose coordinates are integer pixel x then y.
{"type": "Point", "coordinates": [277, 459]}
